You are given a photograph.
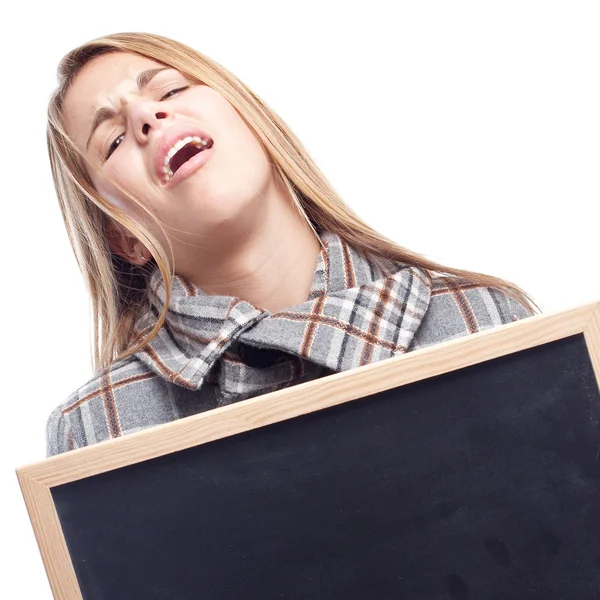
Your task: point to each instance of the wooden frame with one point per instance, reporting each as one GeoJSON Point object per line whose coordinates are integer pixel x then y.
{"type": "Point", "coordinates": [37, 479]}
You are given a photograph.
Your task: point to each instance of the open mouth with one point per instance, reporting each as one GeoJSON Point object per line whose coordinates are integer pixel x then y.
{"type": "Point", "coordinates": [181, 152]}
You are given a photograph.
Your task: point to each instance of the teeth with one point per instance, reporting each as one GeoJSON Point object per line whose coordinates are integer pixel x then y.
{"type": "Point", "coordinates": [198, 141]}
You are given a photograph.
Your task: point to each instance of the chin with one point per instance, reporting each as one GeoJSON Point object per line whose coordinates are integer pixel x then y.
{"type": "Point", "coordinates": [218, 212]}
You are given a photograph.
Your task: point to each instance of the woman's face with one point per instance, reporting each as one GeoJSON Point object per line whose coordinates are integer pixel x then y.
{"type": "Point", "coordinates": [126, 113]}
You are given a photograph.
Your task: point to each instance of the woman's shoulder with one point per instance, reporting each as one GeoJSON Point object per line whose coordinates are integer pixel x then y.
{"type": "Point", "coordinates": [454, 287]}
{"type": "Point", "coordinates": [458, 307]}
{"type": "Point", "coordinates": [65, 423]}
{"type": "Point", "coordinates": [126, 397]}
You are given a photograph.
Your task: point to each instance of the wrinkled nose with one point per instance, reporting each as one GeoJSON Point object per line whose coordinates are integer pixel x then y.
{"type": "Point", "coordinates": [145, 116]}
{"type": "Point", "coordinates": [146, 126]}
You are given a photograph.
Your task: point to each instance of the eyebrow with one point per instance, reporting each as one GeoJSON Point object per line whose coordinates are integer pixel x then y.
{"type": "Point", "coordinates": [103, 114]}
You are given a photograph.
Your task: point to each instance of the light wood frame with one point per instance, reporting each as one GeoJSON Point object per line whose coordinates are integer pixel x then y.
{"type": "Point", "coordinates": [37, 479]}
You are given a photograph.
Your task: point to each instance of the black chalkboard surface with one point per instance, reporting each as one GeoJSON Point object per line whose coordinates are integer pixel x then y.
{"type": "Point", "coordinates": [478, 483]}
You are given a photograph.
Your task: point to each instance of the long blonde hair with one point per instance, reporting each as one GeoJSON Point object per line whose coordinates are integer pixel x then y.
{"type": "Point", "coordinates": [117, 288]}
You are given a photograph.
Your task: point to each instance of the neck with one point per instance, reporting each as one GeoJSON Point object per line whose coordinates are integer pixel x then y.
{"type": "Point", "coordinates": [269, 262]}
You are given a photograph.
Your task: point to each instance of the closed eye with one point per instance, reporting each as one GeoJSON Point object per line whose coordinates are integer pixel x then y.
{"type": "Point", "coordinates": [173, 92]}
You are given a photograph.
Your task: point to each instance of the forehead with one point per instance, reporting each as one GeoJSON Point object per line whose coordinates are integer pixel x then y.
{"type": "Point", "coordinates": [99, 83]}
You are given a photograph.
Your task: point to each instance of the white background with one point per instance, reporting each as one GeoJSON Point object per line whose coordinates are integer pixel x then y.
{"type": "Point", "coordinates": [467, 131]}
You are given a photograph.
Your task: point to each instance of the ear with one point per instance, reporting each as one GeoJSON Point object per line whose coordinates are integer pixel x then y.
{"type": "Point", "coordinates": [126, 245]}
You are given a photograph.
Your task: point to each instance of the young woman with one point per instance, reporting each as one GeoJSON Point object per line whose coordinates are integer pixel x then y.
{"type": "Point", "coordinates": [221, 263]}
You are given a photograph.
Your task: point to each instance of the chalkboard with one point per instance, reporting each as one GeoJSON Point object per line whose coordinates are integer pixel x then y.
{"type": "Point", "coordinates": [480, 482]}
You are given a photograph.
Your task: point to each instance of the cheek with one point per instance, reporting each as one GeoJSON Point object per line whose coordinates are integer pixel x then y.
{"type": "Point", "coordinates": [115, 178]}
{"type": "Point", "coordinates": [111, 192]}
{"type": "Point", "coordinates": [108, 188]}
{"type": "Point", "coordinates": [232, 133]}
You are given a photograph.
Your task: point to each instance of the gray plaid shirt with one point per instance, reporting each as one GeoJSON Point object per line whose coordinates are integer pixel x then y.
{"type": "Point", "coordinates": [214, 350]}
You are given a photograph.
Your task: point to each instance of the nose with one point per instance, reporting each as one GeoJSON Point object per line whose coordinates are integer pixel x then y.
{"type": "Point", "coordinates": [144, 116]}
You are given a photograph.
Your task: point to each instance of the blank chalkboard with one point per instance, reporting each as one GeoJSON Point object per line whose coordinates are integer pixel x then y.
{"type": "Point", "coordinates": [482, 482]}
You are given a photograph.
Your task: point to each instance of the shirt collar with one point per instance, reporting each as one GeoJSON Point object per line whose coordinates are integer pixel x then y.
{"type": "Point", "coordinates": [360, 309]}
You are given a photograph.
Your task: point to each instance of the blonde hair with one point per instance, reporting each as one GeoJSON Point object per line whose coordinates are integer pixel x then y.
{"type": "Point", "coordinates": [117, 288]}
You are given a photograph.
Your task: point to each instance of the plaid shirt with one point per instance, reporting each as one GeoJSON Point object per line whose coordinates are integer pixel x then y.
{"type": "Point", "coordinates": [214, 350]}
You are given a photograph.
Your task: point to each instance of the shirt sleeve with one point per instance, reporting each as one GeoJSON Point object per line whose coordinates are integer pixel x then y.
{"type": "Point", "coordinates": [58, 434]}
